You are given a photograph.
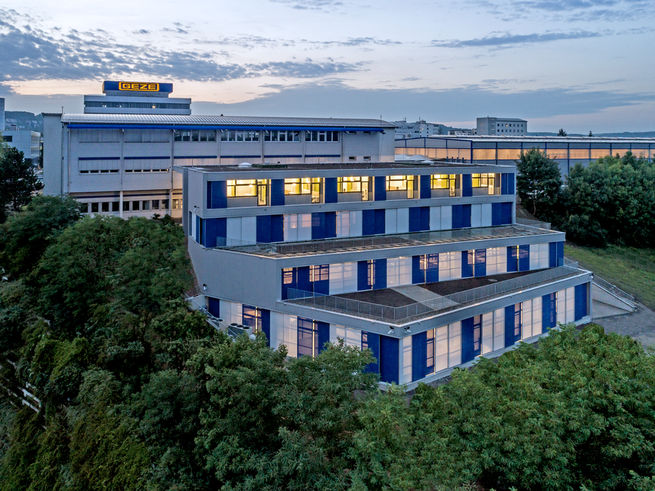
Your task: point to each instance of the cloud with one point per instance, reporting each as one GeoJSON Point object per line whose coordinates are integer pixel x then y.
{"type": "Point", "coordinates": [326, 5]}
{"type": "Point", "coordinates": [457, 104]}
{"type": "Point", "coordinates": [31, 53]}
{"type": "Point", "coordinates": [503, 40]}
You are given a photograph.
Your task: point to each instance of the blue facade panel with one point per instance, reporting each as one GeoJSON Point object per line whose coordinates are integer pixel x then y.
{"type": "Point", "coordinates": [277, 192]}
{"type": "Point", "coordinates": [581, 293]}
{"type": "Point", "coordinates": [501, 214]}
{"type": "Point", "coordinates": [507, 183]}
{"type": "Point", "coordinates": [461, 216]}
{"type": "Point", "coordinates": [425, 188]}
{"type": "Point", "coordinates": [323, 329]}
{"type": "Point", "coordinates": [214, 232]}
{"type": "Point", "coordinates": [467, 185]}
{"type": "Point", "coordinates": [380, 188]}
{"type": "Point", "coordinates": [380, 274]}
{"type": "Point", "coordinates": [266, 324]}
{"type": "Point", "coordinates": [419, 356]}
{"type": "Point", "coordinates": [214, 306]}
{"type": "Point", "coordinates": [372, 222]}
{"type": "Point", "coordinates": [217, 194]}
{"type": "Point", "coordinates": [270, 228]}
{"type": "Point", "coordinates": [524, 257]}
{"type": "Point", "coordinates": [480, 262]}
{"type": "Point", "coordinates": [512, 259]}
{"type": "Point", "coordinates": [389, 360]}
{"type": "Point", "coordinates": [419, 218]}
{"type": "Point", "coordinates": [512, 324]}
{"type": "Point", "coordinates": [548, 311]}
{"type": "Point", "coordinates": [362, 276]}
{"type": "Point", "coordinates": [372, 341]}
{"type": "Point", "coordinates": [418, 275]}
{"type": "Point", "coordinates": [198, 236]}
{"type": "Point", "coordinates": [324, 225]}
{"type": "Point", "coordinates": [555, 254]}
{"type": "Point", "coordinates": [432, 268]}
{"type": "Point", "coordinates": [468, 259]}
{"type": "Point", "coordinates": [471, 337]}
{"type": "Point", "coordinates": [331, 195]}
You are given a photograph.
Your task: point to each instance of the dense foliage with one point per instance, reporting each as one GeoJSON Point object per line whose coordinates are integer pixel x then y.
{"type": "Point", "coordinates": [18, 181]}
{"type": "Point", "coordinates": [137, 392]}
{"type": "Point", "coordinates": [609, 201]}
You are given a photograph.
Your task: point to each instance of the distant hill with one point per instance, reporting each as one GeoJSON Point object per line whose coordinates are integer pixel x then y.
{"type": "Point", "coordinates": [24, 120]}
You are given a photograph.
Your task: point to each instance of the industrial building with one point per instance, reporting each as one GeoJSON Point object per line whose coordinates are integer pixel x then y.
{"type": "Point", "coordinates": [567, 151]}
{"type": "Point", "coordinates": [122, 163]}
{"type": "Point", "coordinates": [23, 140]}
{"type": "Point", "coordinates": [424, 264]}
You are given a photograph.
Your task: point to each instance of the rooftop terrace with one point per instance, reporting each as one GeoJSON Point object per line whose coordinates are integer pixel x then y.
{"type": "Point", "coordinates": [354, 244]}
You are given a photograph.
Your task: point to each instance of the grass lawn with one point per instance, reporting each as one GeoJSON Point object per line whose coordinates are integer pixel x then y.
{"type": "Point", "coordinates": [629, 268]}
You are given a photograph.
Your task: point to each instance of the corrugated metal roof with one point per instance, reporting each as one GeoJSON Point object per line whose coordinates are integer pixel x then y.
{"type": "Point", "coordinates": [532, 139]}
{"type": "Point", "coordinates": [166, 119]}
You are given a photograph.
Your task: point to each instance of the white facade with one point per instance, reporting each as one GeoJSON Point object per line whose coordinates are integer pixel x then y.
{"type": "Point", "coordinates": [26, 141]}
{"type": "Point", "coordinates": [502, 126]}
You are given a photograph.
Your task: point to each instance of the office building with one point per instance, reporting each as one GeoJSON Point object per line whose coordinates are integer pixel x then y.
{"type": "Point", "coordinates": [567, 151]}
{"type": "Point", "coordinates": [122, 164]}
{"type": "Point", "coordinates": [418, 129]}
{"type": "Point", "coordinates": [422, 263]}
{"type": "Point", "coordinates": [23, 140]}
{"type": "Point", "coordinates": [502, 126]}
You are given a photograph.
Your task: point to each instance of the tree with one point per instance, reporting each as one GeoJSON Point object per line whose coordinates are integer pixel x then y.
{"type": "Point", "coordinates": [26, 235]}
{"type": "Point", "coordinates": [538, 183]}
{"type": "Point", "coordinates": [18, 181]}
{"type": "Point", "coordinates": [561, 132]}
{"type": "Point", "coordinates": [590, 133]}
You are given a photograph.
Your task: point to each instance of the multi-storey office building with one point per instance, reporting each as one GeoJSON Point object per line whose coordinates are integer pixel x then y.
{"type": "Point", "coordinates": [567, 151]}
{"type": "Point", "coordinates": [122, 164]}
{"type": "Point", "coordinates": [501, 126]}
{"type": "Point", "coordinates": [422, 263]}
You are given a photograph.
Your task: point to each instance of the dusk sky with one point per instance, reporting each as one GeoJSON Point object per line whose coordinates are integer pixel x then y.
{"type": "Point", "coordinates": [578, 64]}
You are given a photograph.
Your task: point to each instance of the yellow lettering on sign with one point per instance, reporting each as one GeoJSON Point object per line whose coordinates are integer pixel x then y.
{"type": "Point", "coordinates": [139, 86]}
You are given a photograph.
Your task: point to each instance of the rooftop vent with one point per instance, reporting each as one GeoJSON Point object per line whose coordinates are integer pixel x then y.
{"type": "Point", "coordinates": [244, 165]}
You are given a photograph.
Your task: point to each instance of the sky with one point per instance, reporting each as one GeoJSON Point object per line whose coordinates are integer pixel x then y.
{"type": "Point", "coordinates": [582, 65]}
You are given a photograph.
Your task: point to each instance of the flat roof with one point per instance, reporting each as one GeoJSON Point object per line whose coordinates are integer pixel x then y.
{"type": "Point", "coordinates": [410, 164]}
{"type": "Point", "coordinates": [531, 138]}
{"type": "Point", "coordinates": [399, 305]}
{"type": "Point", "coordinates": [251, 122]}
{"type": "Point", "coordinates": [518, 120]}
{"type": "Point", "coordinates": [354, 244]}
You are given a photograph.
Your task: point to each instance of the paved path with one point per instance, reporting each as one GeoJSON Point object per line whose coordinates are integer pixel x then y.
{"type": "Point", "coordinates": [639, 325]}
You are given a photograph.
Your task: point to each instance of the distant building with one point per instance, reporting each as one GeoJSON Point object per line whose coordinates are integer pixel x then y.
{"type": "Point", "coordinates": [502, 126]}
{"type": "Point", "coordinates": [25, 141]}
{"type": "Point", "coordinates": [418, 129]}
{"type": "Point", "coordinates": [136, 98]}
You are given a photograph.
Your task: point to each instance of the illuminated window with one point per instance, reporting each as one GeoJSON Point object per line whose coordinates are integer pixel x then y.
{"type": "Point", "coordinates": [484, 181]}
{"type": "Point", "coordinates": [241, 188]}
{"type": "Point", "coordinates": [444, 181]}
{"type": "Point", "coordinates": [319, 272]}
{"type": "Point", "coordinates": [287, 276]}
{"type": "Point", "coordinates": [252, 318]}
{"type": "Point", "coordinates": [302, 186]}
{"type": "Point", "coordinates": [401, 183]}
{"type": "Point", "coordinates": [350, 184]}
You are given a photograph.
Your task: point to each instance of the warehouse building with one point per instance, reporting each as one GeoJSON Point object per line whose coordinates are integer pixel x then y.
{"type": "Point", "coordinates": [567, 151]}
{"type": "Point", "coordinates": [119, 160]}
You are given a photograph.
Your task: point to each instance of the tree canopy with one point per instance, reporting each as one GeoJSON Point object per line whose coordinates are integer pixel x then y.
{"type": "Point", "coordinates": [18, 181]}
{"type": "Point", "coordinates": [538, 183]}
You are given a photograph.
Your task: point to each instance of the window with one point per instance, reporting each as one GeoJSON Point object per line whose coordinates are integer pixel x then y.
{"type": "Point", "coordinates": [164, 204]}
{"type": "Point", "coordinates": [114, 206]}
{"type": "Point", "coordinates": [84, 207]}
{"type": "Point", "coordinates": [304, 185]}
{"type": "Point", "coordinates": [484, 181]}
{"type": "Point", "coordinates": [518, 318]}
{"type": "Point", "coordinates": [241, 188]}
{"type": "Point", "coordinates": [281, 136]}
{"type": "Point", "coordinates": [354, 184]}
{"type": "Point", "coordinates": [444, 181]}
{"type": "Point", "coordinates": [195, 136]}
{"type": "Point", "coordinates": [307, 338]}
{"type": "Point", "coordinates": [177, 204]}
{"type": "Point", "coordinates": [252, 318]}
{"type": "Point", "coordinates": [94, 207]}
{"type": "Point", "coordinates": [401, 183]}
{"type": "Point", "coordinates": [126, 206]}
{"type": "Point", "coordinates": [146, 205]}
{"type": "Point", "coordinates": [322, 136]}
{"type": "Point", "coordinates": [155, 204]}
{"type": "Point", "coordinates": [239, 136]}
{"type": "Point", "coordinates": [136, 205]}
